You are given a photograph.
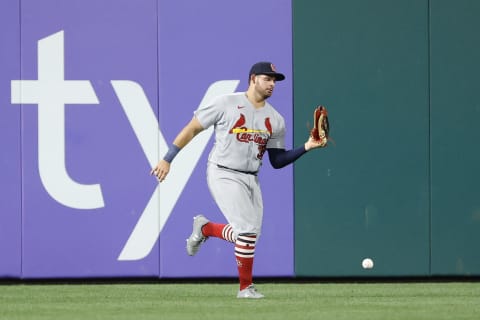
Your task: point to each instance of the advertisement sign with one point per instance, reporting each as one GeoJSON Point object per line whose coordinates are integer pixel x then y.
{"type": "Point", "coordinates": [104, 88]}
{"type": "Point", "coordinates": [10, 154]}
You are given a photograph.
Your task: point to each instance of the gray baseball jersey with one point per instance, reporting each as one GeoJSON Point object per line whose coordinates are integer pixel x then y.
{"type": "Point", "coordinates": [242, 132]}
{"type": "Point", "coordinates": [242, 135]}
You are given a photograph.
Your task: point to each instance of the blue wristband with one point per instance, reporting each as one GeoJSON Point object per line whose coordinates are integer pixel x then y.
{"type": "Point", "coordinates": [172, 153]}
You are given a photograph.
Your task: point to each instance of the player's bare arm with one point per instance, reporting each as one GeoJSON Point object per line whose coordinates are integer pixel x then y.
{"type": "Point", "coordinates": [193, 128]}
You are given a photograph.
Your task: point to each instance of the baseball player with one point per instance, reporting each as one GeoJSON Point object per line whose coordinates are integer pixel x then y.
{"type": "Point", "coordinates": [246, 126]}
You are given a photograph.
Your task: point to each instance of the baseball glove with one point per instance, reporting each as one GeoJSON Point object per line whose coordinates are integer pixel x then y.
{"type": "Point", "coordinates": [321, 127]}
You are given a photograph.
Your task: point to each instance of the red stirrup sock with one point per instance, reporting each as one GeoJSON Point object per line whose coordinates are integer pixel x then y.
{"type": "Point", "coordinates": [218, 230]}
{"type": "Point", "coordinates": [244, 253]}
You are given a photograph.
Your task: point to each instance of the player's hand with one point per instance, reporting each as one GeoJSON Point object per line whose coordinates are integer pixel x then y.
{"type": "Point", "coordinates": [161, 170]}
{"type": "Point", "coordinates": [313, 144]}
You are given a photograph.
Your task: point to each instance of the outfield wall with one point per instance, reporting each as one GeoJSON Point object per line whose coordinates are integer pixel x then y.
{"type": "Point", "coordinates": [106, 87]}
{"type": "Point", "coordinates": [402, 183]}
{"type": "Point", "coordinates": [92, 92]}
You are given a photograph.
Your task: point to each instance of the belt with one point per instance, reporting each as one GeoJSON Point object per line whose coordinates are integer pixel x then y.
{"type": "Point", "coordinates": [254, 173]}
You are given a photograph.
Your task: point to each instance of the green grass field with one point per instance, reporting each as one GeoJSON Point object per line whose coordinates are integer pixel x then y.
{"type": "Point", "coordinates": [205, 301]}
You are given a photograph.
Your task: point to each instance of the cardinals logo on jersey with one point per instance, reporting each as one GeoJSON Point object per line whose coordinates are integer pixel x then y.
{"type": "Point", "coordinates": [257, 136]}
{"type": "Point", "coordinates": [239, 124]}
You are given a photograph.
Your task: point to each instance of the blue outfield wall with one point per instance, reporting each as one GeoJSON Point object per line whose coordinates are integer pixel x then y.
{"type": "Point", "coordinates": [93, 92]}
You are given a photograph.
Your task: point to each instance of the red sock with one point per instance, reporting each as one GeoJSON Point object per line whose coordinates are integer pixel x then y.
{"type": "Point", "coordinates": [244, 253]}
{"type": "Point", "coordinates": [218, 230]}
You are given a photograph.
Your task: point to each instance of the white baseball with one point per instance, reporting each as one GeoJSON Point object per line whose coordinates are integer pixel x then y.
{"type": "Point", "coordinates": [367, 263]}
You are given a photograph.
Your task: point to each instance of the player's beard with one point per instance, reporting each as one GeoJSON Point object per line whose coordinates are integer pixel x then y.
{"type": "Point", "coordinates": [268, 93]}
{"type": "Point", "coordinates": [265, 93]}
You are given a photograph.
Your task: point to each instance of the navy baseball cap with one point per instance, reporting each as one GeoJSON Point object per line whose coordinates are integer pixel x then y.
{"type": "Point", "coordinates": [266, 68]}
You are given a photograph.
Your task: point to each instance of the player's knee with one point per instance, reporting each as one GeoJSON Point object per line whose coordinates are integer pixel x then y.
{"type": "Point", "coordinates": [245, 244]}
